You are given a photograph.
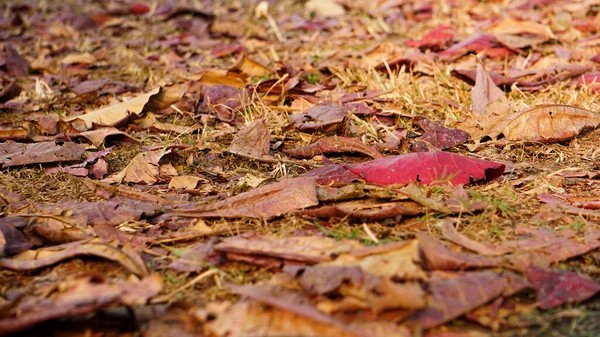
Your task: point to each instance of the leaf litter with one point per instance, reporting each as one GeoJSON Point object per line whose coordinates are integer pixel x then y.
{"type": "Point", "coordinates": [251, 163]}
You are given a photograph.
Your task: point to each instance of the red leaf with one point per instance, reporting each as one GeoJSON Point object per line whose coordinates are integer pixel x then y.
{"type": "Point", "coordinates": [428, 168]}
{"type": "Point", "coordinates": [437, 39]}
{"type": "Point", "coordinates": [476, 44]}
{"type": "Point", "coordinates": [554, 288]}
{"type": "Point", "coordinates": [139, 8]}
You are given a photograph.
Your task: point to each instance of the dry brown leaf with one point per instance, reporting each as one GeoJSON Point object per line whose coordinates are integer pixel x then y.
{"type": "Point", "coordinates": [250, 67]}
{"type": "Point", "coordinates": [115, 114]}
{"type": "Point", "coordinates": [17, 154]}
{"type": "Point", "coordinates": [143, 169]}
{"type": "Point", "coordinates": [296, 248]}
{"type": "Point", "coordinates": [265, 202]}
{"type": "Point", "coordinates": [185, 182]}
{"type": "Point", "coordinates": [549, 123]}
{"type": "Point", "coordinates": [150, 122]}
{"type": "Point", "coordinates": [220, 76]}
{"type": "Point", "coordinates": [98, 137]}
{"type": "Point", "coordinates": [44, 257]}
{"type": "Point", "coordinates": [252, 141]}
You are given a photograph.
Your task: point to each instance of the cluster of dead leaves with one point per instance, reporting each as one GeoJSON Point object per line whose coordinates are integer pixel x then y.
{"type": "Point", "coordinates": [347, 146]}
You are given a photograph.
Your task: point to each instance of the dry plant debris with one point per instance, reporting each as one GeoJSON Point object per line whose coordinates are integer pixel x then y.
{"type": "Point", "coordinates": [307, 168]}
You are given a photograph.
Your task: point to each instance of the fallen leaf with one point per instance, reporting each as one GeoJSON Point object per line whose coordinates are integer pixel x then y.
{"type": "Point", "coordinates": [428, 168]}
{"type": "Point", "coordinates": [143, 169]}
{"type": "Point", "coordinates": [437, 135]}
{"type": "Point", "coordinates": [16, 65]}
{"type": "Point", "coordinates": [454, 297]}
{"type": "Point", "coordinates": [259, 320]}
{"type": "Point", "coordinates": [10, 91]}
{"type": "Point", "coordinates": [253, 141]}
{"type": "Point", "coordinates": [265, 202]}
{"type": "Point", "coordinates": [324, 117]}
{"type": "Point", "coordinates": [370, 209]}
{"type": "Point", "coordinates": [150, 122]}
{"type": "Point", "coordinates": [224, 100]}
{"type": "Point", "coordinates": [248, 66]}
{"type": "Point", "coordinates": [185, 182]}
{"type": "Point", "coordinates": [77, 296]}
{"type": "Point", "coordinates": [332, 144]}
{"type": "Point", "coordinates": [437, 39]}
{"type": "Point", "coordinates": [481, 44]}
{"type": "Point", "coordinates": [295, 248]}
{"type": "Point", "coordinates": [17, 154]}
{"type": "Point", "coordinates": [450, 233]}
{"type": "Point", "coordinates": [436, 256]}
{"type": "Point", "coordinates": [549, 123]}
{"type": "Point", "coordinates": [556, 287]}
{"type": "Point", "coordinates": [486, 97]}
{"type": "Point", "coordinates": [115, 114]}
{"type": "Point", "coordinates": [98, 136]}
{"type": "Point", "coordinates": [44, 257]}
{"type": "Point", "coordinates": [12, 241]}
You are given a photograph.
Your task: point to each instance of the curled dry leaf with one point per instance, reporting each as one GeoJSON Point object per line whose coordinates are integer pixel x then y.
{"type": "Point", "coordinates": [44, 257]}
{"type": "Point", "coordinates": [112, 115]}
{"type": "Point", "coordinates": [12, 241]}
{"type": "Point", "coordinates": [439, 136]}
{"type": "Point", "coordinates": [250, 67]}
{"type": "Point", "coordinates": [252, 141]}
{"type": "Point", "coordinates": [74, 297]}
{"type": "Point", "coordinates": [17, 154]}
{"type": "Point", "coordinates": [370, 209]}
{"type": "Point", "coordinates": [143, 169]}
{"type": "Point", "coordinates": [332, 144]}
{"type": "Point", "coordinates": [324, 117]}
{"type": "Point", "coordinates": [10, 91]}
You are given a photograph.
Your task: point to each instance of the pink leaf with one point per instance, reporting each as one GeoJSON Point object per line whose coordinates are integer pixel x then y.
{"type": "Point", "coordinates": [554, 288]}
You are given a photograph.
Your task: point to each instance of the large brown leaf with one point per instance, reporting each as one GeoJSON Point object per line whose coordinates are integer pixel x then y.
{"type": "Point", "coordinates": [296, 248]}
{"type": "Point", "coordinates": [454, 297]}
{"type": "Point", "coordinates": [252, 141]}
{"type": "Point", "coordinates": [17, 154]}
{"type": "Point", "coordinates": [155, 100]}
{"type": "Point", "coordinates": [265, 202]}
{"type": "Point", "coordinates": [76, 297]}
{"type": "Point", "coordinates": [44, 257]}
{"type": "Point", "coordinates": [549, 123]}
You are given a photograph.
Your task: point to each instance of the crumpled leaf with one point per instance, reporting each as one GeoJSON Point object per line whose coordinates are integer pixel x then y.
{"type": "Point", "coordinates": [265, 202]}
{"type": "Point", "coordinates": [98, 136]}
{"type": "Point", "coordinates": [44, 257]}
{"type": "Point", "coordinates": [253, 141]}
{"type": "Point", "coordinates": [323, 117]}
{"type": "Point", "coordinates": [77, 296]}
{"type": "Point", "coordinates": [554, 288]}
{"type": "Point", "coordinates": [112, 115]}
{"type": "Point", "coordinates": [16, 154]}
{"type": "Point", "coordinates": [437, 135]}
{"type": "Point", "coordinates": [143, 169]}
{"type": "Point", "coordinates": [453, 297]}
{"type": "Point", "coordinates": [332, 144]}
